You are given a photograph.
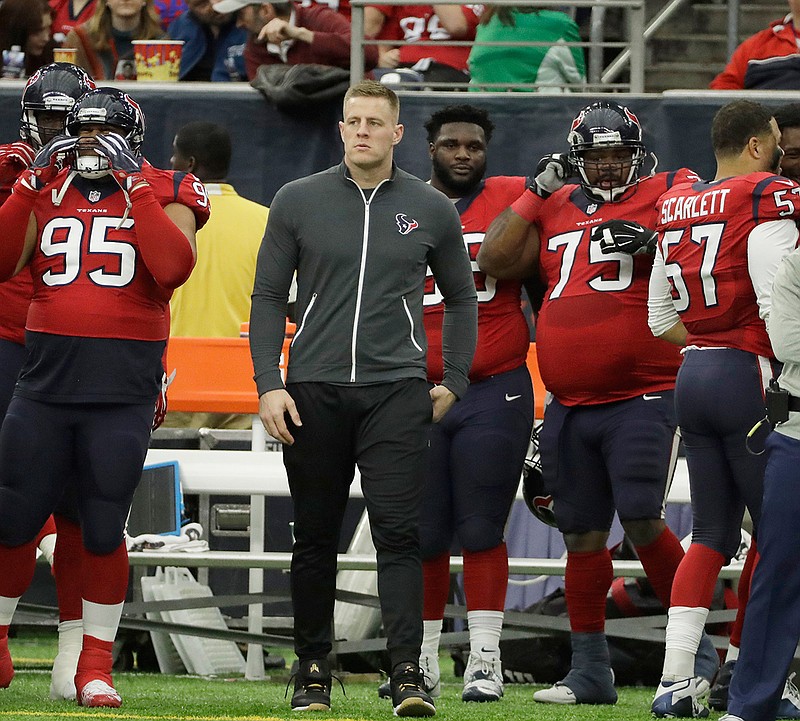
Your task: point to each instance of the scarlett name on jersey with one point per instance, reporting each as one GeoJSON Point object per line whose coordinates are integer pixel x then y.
{"type": "Point", "coordinates": [687, 207]}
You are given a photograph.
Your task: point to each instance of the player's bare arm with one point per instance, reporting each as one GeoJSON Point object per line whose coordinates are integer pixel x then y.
{"type": "Point", "coordinates": [510, 248]}
{"type": "Point", "coordinates": [185, 221]}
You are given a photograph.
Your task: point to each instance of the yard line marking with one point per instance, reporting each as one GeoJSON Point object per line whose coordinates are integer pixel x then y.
{"type": "Point", "coordinates": [143, 717]}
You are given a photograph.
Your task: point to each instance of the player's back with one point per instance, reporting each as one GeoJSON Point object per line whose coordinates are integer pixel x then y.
{"type": "Point", "coordinates": [718, 240]}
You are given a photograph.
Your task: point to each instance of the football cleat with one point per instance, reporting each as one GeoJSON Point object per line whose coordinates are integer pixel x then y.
{"type": "Point", "coordinates": [98, 694]}
{"type": "Point", "coordinates": [582, 686]}
{"type": "Point", "coordinates": [730, 717]}
{"type": "Point", "coordinates": [678, 699]}
{"type": "Point", "coordinates": [483, 679]}
{"type": "Point", "coordinates": [718, 696]}
{"type": "Point", "coordinates": [6, 665]}
{"type": "Point", "coordinates": [789, 707]}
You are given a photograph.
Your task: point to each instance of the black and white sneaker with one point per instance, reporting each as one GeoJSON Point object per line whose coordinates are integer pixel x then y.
{"type": "Point", "coordinates": [312, 686]}
{"type": "Point", "coordinates": [409, 697]}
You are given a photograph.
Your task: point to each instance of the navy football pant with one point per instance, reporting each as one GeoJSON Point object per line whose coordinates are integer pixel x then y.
{"type": "Point", "coordinates": [474, 465]}
{"type": "Point", "coordinates": [772, 623]}
{"type": "Point", "coordinates": [12, 356]}
{"type": "Point", "coordinates": [719, 397]}
{"type": "Point", "coordinates": [99, 448]}
{"type": "Point", "coordinates": [383, 428]}
{"type": "Point", "coordinates": [613, 456]}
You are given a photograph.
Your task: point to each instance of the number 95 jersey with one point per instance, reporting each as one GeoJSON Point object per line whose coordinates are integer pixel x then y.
{"type": "Point", "coordinates": [89, 278]}
{"type": "Point", "coordinates": [722, 242]}
{"type": "Point", "coordinates": [593, 342]}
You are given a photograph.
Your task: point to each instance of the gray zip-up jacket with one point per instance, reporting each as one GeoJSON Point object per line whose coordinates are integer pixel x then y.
{"type": "Point", "coordinates": [361, 259]}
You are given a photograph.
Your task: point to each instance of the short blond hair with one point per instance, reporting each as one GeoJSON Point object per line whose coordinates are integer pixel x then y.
{"type": "Point", "coordinates": [374, 89]}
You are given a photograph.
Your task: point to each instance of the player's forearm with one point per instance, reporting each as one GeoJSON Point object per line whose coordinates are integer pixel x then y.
{"type": "Point", "coordinates": [506, 251]}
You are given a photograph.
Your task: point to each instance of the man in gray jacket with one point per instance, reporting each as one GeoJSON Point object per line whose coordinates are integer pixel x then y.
{"type": "Point", "coordinates": [360, 237]}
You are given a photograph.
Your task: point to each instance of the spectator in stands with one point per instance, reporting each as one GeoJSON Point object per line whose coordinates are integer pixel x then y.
{"type": "Point", "coordinates": [768, 60]}
{"type": "Point", "coordinates": [104, 41]}
{"type": "Point", "coordinates": [27, 23]}
{"type": "Point", "coordinates": [168, 10]}
{"type": "Point", "coordinates": [213, 43]}
{"type": "Point", "coordinates": [292, 34]}
{"type": "Point", "coordinates": [340, 6]}
{"type": "Point", "coordinates": [553, 69]}
{"type": "Point", "coordinates": [788, 119]}
{"type": "Point", "coordinates": [215, 301]}
{"type": "Point", "coordinates": [67, 14]}
{"type": "Point", "coordinates": [413, 23]}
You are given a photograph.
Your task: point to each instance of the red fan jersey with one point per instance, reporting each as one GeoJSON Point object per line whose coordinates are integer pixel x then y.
{"type": "Point", "coordinates": [89, 278]}
{"type": "Point", "coordinates": [593, 342]}
{"type": "Point", "coordinates": [415, 23]}
{"type": "Point", "coordinates": [503, 336]}
{"type": "Point", "coordinates": [705, 236]}
{"type": "Point", "coordinates": [15, 294]}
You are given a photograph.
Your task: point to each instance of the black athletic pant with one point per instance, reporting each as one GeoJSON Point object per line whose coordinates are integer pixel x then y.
{"type": "Point", "coordinates": [383, 428]}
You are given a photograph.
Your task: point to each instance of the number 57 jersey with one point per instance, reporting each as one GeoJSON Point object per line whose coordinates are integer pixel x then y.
{"type": "Point", "coordinates": [592, 338]}
{"type": "Point", "coordinates": [89, 277]}
{"type": "Point", "coordinates": [721, 244]}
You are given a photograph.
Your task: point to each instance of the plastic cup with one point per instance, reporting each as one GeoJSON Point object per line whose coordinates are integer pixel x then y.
{"type": "Point", "coordinates": [157, 60]}
{"type": "Point", "coordinates": [65, 55]}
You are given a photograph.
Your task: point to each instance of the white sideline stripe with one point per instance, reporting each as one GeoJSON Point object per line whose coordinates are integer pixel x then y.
{"type": "Point", "coordinates": [251, 473]}
{"type": "Point", "coordinates": [366, 562]}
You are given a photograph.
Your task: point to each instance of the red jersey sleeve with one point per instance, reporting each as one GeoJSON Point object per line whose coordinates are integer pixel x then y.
{"type": "Point", "coordinates": [170, 186]}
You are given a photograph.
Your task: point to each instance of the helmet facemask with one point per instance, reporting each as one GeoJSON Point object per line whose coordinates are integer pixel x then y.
{"type": "Point", "coordinates": [599, 130]}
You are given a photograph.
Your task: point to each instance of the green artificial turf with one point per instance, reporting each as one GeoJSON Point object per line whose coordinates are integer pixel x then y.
{"type": "Point", "coordinates": [148, 696]}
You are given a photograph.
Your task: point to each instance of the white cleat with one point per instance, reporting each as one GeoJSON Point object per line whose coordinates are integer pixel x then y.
{"type": "Point", "coordinates": [97, 694]}
{"type": "Point", "coordinates": [557, 693]}
{"type": "Point", "coordinates": [678, 699]}
{"type": "Point", "coordinates": [483, 679]}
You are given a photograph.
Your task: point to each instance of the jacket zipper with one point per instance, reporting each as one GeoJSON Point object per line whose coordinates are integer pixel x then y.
{"type": "Point", "coordinates": [411, 323]}
{"type": "Point", "coordinates": [303, 321]}
{"type": "Point", "coordinates": [361, 272]}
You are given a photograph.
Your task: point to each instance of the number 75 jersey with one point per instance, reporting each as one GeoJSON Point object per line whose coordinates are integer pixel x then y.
{"type": "Point", "coordinates": [722, 242]}
{"type": "Point", "coordinates": [592, 338]}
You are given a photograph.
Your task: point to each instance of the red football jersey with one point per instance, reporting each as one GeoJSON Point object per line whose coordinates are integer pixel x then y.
{"type": "Point", "coordinates": [593, 342]}
{"type": "Point", "coordinates": [414, 23]}
{"type": "Point", "coordinates": [503, 336]}
{"type": "Point", "coordinates": [88, 275]}
{"type": "Point", "coordinates": [703, 235]}
{"type": "Point", "coordinates": [15, 294]}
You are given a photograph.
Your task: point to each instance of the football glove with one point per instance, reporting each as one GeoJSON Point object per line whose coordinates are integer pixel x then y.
{"type": "Point", "coordinates": [46, 164]}
{"type": "Point", "coordinates": [16, 157]}
{"type": "Point", "coordinates": [160, 412]}
{"type": "Point", "coordinates": [126, 167]}
{"type": "Point", "coordinates": [550, 175]}
{"type": "Point", "coordinates": [625, 236]}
